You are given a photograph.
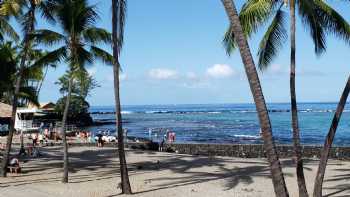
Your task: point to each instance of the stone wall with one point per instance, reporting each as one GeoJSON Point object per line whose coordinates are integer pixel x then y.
{"type": "Point", "coordinates": [229, 150]}
{"type": "Point", "coordinates": [253, 150]}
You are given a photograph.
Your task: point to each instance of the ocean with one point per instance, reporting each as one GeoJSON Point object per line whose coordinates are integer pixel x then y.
{"type": "Point", "coordinates": [225, 123]}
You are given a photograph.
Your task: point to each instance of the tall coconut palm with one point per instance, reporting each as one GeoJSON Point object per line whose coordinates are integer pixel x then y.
{"type": "Point", "coordinates": [78, 46]}
{"type": "Point", "coordinates": [118, 20]}
{"type": "Point", "coordinates": [11, 58]}
{"type": "Point", "coordinates": [253, 78]}
{"type": "Point", "coordinates": [329, 140]}
{"type": "Point", "coordinates": [319, 18]}
{"type": "Point", "coordinates": [27, 20]}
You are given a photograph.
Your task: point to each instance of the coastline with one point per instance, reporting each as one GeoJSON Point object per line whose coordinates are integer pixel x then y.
{"type": "Point", "coordinates": [211, 149]}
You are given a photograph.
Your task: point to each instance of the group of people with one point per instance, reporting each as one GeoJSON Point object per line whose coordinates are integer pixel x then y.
{"type": "Point", "coordinates": [38, 138]}
{"type": "Point", "coordinates": [84, 136]}
{"type": "Point", "coordinates": [168, 137]}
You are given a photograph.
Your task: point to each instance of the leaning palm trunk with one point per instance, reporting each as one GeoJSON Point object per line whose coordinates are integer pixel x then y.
{"type": "Point", "coordinates": [27, 41]}
{"type": "Point", "coordinates": [294, 109]}
{"type": "Point", "coordinates": [329, 140]}
{"type": "Point", "coordinates": [63, 131]}
{"type": "Point", "coordinates": [269, 145]}
{"type": "Point", "coordinates": [41, 82]}
{"type": "Point", "coordinates": [118, 21]}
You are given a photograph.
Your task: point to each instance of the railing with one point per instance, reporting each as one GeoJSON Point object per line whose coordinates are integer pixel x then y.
{"type": "Point", "coordinates": [67, 128]}
{"type": "Point", "coordinates": [4, 127]}
{"type": "Point", "coordinates": [24, 124]}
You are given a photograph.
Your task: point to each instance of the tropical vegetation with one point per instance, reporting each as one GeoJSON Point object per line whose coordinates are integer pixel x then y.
{"type": "Point", "coordinates": [83, 84]}
{"type": "Point", "coordinates": [77, 46]}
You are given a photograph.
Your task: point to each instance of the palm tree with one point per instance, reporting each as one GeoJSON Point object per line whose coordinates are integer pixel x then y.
{"type": "Point", "coordinates": [253, 78]}
{"type": "Point", "coordinates": [329, 140]}
{"type": "Point", "coordinates": [118, 19]}
{"type": "Point", "coordinates": [79, 39]}
{"type": "Point", "coordinates": [27, 21]}
{"type": "Point", "coordinates": [317, 16]}
{"type": "Point", "coordinates": [10, 58]}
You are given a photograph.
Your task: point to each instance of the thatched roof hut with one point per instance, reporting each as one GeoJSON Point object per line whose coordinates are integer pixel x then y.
{"type": "Point", "coordinates": [5, 113]}
{"type": "Point", "coordinates": [5, 110]}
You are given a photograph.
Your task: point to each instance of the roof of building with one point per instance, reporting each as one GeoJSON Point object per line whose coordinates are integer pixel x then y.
{"type": "Point", "coordinates": [5, 110]}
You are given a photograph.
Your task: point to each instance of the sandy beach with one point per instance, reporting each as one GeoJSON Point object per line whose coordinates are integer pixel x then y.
{"type": "Point", "coordinates": [94, 172]}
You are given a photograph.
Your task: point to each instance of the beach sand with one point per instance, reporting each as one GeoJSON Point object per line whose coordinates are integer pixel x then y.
{"type": "Point", "coordinates": [94, 172]}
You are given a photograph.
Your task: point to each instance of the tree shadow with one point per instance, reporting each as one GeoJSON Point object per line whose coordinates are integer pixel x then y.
{"type": "Point", "coordinates": [102, 164]}
{"type": "Point", "coordinates": [341, 178]}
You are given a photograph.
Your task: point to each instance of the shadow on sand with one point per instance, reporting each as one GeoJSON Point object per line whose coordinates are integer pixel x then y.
{"type": "Point", "coordinates": [99, 164]}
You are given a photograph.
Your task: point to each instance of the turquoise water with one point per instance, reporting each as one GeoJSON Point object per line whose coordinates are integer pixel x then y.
{"type": "Point", "coordinates": [227, 123]}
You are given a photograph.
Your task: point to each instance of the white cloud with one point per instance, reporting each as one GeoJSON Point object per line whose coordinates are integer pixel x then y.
{"type": "Point", "coordinates": [92, 70]}
{"type": "Point", "coordinates": [191, 75]}
{"type": "Point", "coordinates": [220, 71]}
{"type": "Point", "coordinates": [123, 76]}
{"type": "Point", "coordinates": [162, 73]}
{"type": "Point", "coordinates": [276, 69]}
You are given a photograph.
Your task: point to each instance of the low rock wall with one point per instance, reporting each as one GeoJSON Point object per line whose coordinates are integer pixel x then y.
{"type": "Point", "coordinates": [253, 150]}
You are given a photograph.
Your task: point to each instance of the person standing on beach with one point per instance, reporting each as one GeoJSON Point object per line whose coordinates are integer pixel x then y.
{"type": "Point", "coordinates": [35, 139]}
{"type": "Point", "coordinates": [41, 128]}
{"type": "Point", "coordinates": [162, 143]}
{"type": "Point", "coordinates": [173, 136]}
{"type": "Point", "coordinates": [126, 134]}
{"type": "Point", "coordinates": [168, 135]}
{"type": "Point", "coordinates": [150, 134]}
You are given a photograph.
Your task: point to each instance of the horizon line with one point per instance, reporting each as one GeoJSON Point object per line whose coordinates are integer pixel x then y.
{"type": "Point", "coordinates": [303, 102]}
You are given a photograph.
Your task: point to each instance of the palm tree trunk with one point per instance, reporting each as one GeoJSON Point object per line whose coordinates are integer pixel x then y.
{"type": "Point", "coordinates": [269, 145]}
{"type": "Point", "coordinates": [294, 109]}
{"type": "Point", "coordinates": [63, 130]}
{"type": "Point", "coordinates": [329, 140]}
{"type": "Point", "coordinates": [27, 40]}
{"type": "Point", "coordinates": [5, 158]}
{"type": "Point", "coordinates": [125, 183]}
{"type": "Point", "coordinates": [41, 82]}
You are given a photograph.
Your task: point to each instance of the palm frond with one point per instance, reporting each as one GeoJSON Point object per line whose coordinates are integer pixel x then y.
{"type": "Point", "coordinates": [47, 37]}
{"type": "Point", "coordinates": [11, 8]}
{"type": "Point", "coordinates": [229, 42]}
{"type": "Point", "coordinates": [332, 21]}
{"type": "Point", "coordinates": [29, 94]}
{"type": "Point", "coordinates": [273, 40]}
{"type": "Point", "coordinates": [81, 58]}
{"type": "Point", "coordinates": [118, 32]}
{"type": "Point", "coordinates": [253, 15]}
{"type": "Point", "coordinates": [101, 54]}
{"type": "Point", "coordinates": [28, 20]}
{"type": "Point", "coordinates": [308, 13]}
{"type": "Point", "coordinates": [8, 30]}
{"type": "Point", "coordinates": [85, 16]}
{"type": "Point", "coordinates": [51, 58]}
{"type": "Point", "coordinates": [96, 35]}
{"type": "Point", "coordinates": [46, 11]}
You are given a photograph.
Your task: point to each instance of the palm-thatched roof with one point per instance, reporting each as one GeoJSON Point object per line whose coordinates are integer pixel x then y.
{"type": "Point", "coordinates": [5, 110]}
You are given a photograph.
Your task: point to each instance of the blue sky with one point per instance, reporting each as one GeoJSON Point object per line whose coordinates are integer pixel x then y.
{"type": "Point", "coordinates": [173, 55]}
